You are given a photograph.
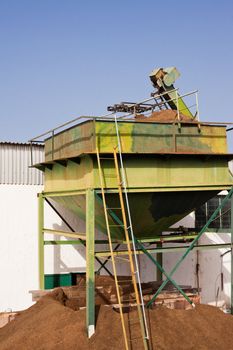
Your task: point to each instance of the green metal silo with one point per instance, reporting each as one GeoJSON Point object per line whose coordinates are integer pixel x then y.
{"type": "Point", "coordinates": [170, 171]}
{"type": "Point", "coordinates": [173, 163]}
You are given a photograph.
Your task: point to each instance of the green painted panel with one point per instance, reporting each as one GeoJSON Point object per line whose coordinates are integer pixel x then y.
{"type": "Point", "coordinates": [71, 142]}
{"type": "Point", "coordinates": [77, 205]}
{"type": "Point", "coordinates": [144, 137]}
{"type": "Point", "coordinates": [136, 137]}
{"type": "Point", "coordinates": [163, 173]}
{"type": "Point", "coordinates": [159, 173]}
{"type": "Point", "coordinates": [73, 176]}
{"type": "Point", "coordinates": [152, 212]}
{"type": "Point", "coordinates": [57, 280]}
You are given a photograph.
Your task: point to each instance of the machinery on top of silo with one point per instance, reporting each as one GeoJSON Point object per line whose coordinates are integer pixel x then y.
{"type": "Point", "coordinates": [135, 172]}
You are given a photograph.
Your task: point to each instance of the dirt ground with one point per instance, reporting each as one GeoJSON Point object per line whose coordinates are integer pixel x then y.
{"type": "Point", "coordinates": [50, 325]}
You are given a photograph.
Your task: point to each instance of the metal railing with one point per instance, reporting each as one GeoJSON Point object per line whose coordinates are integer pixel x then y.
{"type": "Point", "coordinates": [129, 117]}
{"type": "Point", "coordinates": [107, 116]}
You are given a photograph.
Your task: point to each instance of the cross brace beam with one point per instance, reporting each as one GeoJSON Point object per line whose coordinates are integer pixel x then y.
{"type": "Point", "coordinates": [169, 249]}
{"type": "Point", "coordinates": [191, 246]}
{"type": "Point", "coordinates": [71, 229]}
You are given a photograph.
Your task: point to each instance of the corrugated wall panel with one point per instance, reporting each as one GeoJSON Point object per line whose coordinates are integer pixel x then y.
{"type": "Point", "coordinates": [15, 162]}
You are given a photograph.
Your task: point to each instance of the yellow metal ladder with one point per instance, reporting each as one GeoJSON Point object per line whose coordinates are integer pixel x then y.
{"type": "Point", "coordinates": [131, 254]}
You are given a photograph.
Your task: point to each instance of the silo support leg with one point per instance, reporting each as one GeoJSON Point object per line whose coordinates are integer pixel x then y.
{"type": "Point", "coordinates": [159, 258]}
{"type": "Point", "coordinates": [90, 261]}
{"type": "Point", "coordinates": [41, 239]}
{"type": "Point", "coordinates": [232, 254]}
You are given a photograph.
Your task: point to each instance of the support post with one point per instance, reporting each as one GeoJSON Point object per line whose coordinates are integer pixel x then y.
{"type": "Point", "coordinates": [232, 254]}
{"type": "Point", "coordinates": [41, 239]}
{"type": "Point", "coordinates": [159, 258]}
{"type": "Point", "coordinates": [90, 262]}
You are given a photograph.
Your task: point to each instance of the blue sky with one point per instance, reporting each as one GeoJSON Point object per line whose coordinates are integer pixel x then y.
{"type": "Point", "coordinates": [60, 59]}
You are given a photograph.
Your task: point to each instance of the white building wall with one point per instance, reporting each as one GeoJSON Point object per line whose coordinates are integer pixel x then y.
{"type": "Point", "coordinates": [71, 258]}
{"type": "Point", "coordinates": [211, 266]}
{"type": "Point", "coordinates": [18, 248]}
{"type": "Point", "coordinates": [62, 258]}
{"type": "Point", "coordinates": [19, 245]}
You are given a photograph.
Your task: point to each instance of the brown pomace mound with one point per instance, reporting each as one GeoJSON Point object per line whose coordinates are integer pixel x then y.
{"type": "Point", "coordinates": [50, 325]}
{"type": "Point", "coordinates": [166, 115]}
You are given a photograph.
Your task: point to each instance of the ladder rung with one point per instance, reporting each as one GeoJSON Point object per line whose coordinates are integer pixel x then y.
{"type": "Point", "coordinates": [121, 258]}
{"type": "Point", "coordinates": [130, 305]}
{"type": "Point", "coordinates": [116, 225]}
{"type": "Point", "coordinates": [107, 158]}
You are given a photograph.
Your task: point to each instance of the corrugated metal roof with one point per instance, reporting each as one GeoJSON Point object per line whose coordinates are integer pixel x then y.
{"type": "Point", "coordinates": [13, 143]}
{"type": "Point", "coordinates": [15, 162]}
